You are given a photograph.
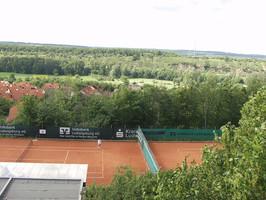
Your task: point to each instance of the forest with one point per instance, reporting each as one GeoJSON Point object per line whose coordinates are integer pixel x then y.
{"type": "Point", "coordinates": [109, 64]}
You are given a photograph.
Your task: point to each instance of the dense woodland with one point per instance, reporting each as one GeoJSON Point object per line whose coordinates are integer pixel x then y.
{"type": "Point", "coordinates": [208, 92]}
{"type": "Point", "coordinates": [132, 63]}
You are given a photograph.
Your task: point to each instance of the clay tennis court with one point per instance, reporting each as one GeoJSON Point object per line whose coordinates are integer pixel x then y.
{"type": "Point", "coordinates": [103, 162]}
{"type": "Point", "coordinates": [169, 154]}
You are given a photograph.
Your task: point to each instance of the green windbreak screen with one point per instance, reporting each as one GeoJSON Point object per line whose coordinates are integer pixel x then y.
{"type": "Point", "coordinates": [147, 152]}
{"type": "Point", "coordinates": [182, 134]}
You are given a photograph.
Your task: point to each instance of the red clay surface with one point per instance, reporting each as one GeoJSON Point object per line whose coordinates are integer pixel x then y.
{"type": "Point", "coordinates": [169, 154]}
{"type": "Point", "coordinates": [11, 149]}
{"type": "Point", "coordinates": [102, 163]}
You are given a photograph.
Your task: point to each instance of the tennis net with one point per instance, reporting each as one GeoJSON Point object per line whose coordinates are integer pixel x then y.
{"type": "Point", "coordinates": [25, 151]}
{"type": "Point", "coordinates": [147, 151]}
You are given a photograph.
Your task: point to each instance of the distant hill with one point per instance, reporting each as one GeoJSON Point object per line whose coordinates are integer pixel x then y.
{"type": "Point", "coordinates": [216, 53]}
{"type": "Point", "coordinates": [43, 44]}
{"type": "Point", "coordinates": [181, 52]}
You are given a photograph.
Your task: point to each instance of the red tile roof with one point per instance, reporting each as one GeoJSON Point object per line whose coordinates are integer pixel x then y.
{"type": "Point", "coordinates": [13, 112]}
{"type": "Point", "coordinates": [15, 92]}
{"type": "Point", "coordinates": [90, 89]}
{"type": "Point", "coordinates": [51, 85]}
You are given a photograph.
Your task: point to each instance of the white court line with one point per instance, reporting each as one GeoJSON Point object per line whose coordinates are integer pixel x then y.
{"type": "Point", "coordinates": [47, 160]}
{"type": "Point", "coordinates": [66, 157]}
{"type": "Point", "coordinates": [102, 166]}
{"type": "Point", "coordinates": [12, 146]}
{"type": "Point", "coordinates": [100, 172]}
{"type": "Point", "coordinates": [92, 175]}
{"type": "Point", "coordinates": [63, 150]}
{"type": "Point", "coordinates": [8, 159]}
{"type": "Point", "coordinates": [52, 147]}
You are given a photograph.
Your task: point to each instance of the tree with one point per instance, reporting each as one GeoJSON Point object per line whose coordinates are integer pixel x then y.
{"type": "Point", "coordinates": [234, 171]}
{"type": "Point", "coordinates": [55, 72]}
{"type": "Point", "coordinates": [124, 80]}
{"type": "Point", "coordinates": [97, 111]}
{"type": "Point", "coordinates": [28, 111]}
{"type": "Point", "coordinates": [12, 78]}
{"type": "Point", "coordinates": [116, 71]}
{"type": "Point", "coordinates": [185, 107]}
{"type": "Point", "coordinates": [4, 109]}
{"type": "Point", "coordinates": [126, 108]}
{"type": "Point", "coordinates": [245, 150]}
{"type": "Point", "coordinates": [208, 102]}
{"type": "Point", "coordinates": [55, 109]}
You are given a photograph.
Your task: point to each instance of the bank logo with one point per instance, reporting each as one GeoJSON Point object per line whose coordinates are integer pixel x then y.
{"type": "Point", "coordinates": [119, 134]}
{"type": "Point", "coordinates": [64, 130]}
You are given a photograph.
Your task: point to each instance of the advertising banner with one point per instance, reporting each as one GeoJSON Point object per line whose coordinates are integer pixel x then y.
{"type": "Point", "coordinates": [19, 131]}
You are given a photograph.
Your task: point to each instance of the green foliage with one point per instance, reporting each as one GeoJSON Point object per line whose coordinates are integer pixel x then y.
{"type": "Point", "coordinates": [124, 79]}
{"type": "Point", "coordinates": [247, 166]}
{"type": "Point", "coordinates": [27, 111]}
{"type": "Point", "coordinates": [51, 110]}
{"type": "Point", "coordinates": [4, 109]}
{"type": "Point", "coordinates": [54, 109]}
{"type": "Point", "coordinates": [12, 78]}
{"type": "Point", "coordinates": [210, 105]}
{"type": "Point", "coordinates": [126, 108]}
{"type": "Point", "coordinates": [126, 184]}
{"type": "Point", "coordinates": [96, 113]}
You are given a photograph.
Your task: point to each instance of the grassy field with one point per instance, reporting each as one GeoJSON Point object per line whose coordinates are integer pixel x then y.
{"type": "Point", "coordinates": [6, 75]}
{"type": "Point", "coordinates": [167, 84]}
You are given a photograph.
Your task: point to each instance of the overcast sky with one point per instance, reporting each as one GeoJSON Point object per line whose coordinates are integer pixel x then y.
{"type": "Point", "coordinates": [236, 26]}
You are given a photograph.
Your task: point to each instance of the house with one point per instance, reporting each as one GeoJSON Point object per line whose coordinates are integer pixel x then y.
{"type": "Point", "coordinates": [48, 87]}
{"type": "Point", "coordinates": [14, 92]}
{"type": "Point", "coordinates": [69, 91]}
{"type": "Point", "coordinates": [51, 85]}
{"type": "Point", "coordinates": [91, 89]}
{"type": "Point", "coordinates": [13, 112]}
